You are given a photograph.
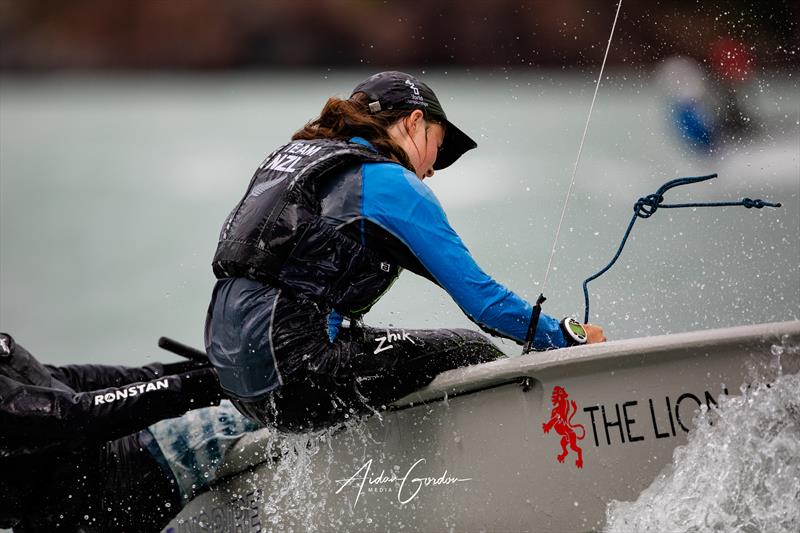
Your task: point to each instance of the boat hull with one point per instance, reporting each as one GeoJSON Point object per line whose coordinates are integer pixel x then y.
{"type": "Point", "coordinates": [470, 451]}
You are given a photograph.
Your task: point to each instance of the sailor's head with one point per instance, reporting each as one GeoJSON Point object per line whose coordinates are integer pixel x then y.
{"type": "Point", "coordinates": [418, 123]}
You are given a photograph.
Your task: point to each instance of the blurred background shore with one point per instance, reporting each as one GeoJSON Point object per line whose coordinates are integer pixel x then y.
{"type": "Point", "coordinates": [209, 34]}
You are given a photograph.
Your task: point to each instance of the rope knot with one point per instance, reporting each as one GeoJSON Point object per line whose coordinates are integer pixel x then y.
{"type": "Point", "coordinates": [647, 205]}
{"type": "Point", "coordinates": [748, 203]}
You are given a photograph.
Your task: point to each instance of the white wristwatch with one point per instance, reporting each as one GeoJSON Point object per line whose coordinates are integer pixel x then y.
{"type": "Point", "coordinates": [574, 332]}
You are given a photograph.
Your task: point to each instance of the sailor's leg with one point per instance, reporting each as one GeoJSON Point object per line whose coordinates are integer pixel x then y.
{"type": "Point", "coordinates": [193, 446]}
{"type": "Point", "coordinates": [324, 383]}
{"type": "Point", "coordinates": [365, 370]}
{"type": "Point", "coordinates": [308, 402]}
{"type": "Point", "coordinates": [111, 486]}
{"type": "Point", "coordinates": [138, 492]}
{"type": "Point", "coordinates": [311, 395]}
{"type": "Point", "coordinates": [391, 363]}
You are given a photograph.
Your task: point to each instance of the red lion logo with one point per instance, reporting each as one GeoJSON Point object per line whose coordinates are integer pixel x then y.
{"type": "Point", "coordinates": [561, 420]}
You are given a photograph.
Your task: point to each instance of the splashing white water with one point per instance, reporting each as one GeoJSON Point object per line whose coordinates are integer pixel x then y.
{"type": "Point", "coordinates": [294, 494]}
{"type": "Point", "coordinates": [739, 471]}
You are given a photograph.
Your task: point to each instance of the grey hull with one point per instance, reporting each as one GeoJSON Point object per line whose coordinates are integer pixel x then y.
{"type": "Point", "coordinates": [469, 452]}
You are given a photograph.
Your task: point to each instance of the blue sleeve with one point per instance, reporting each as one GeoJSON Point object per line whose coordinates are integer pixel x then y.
{"type": "Point", "coordinates": [334, 323]}
{"type": "Point", "coordinates": [403, 205]}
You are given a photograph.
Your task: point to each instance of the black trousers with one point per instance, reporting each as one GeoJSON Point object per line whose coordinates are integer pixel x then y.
{"type": "Point", "coordinates": [364, 370]}
{"type": "Point", "coordinates": [114, 486]}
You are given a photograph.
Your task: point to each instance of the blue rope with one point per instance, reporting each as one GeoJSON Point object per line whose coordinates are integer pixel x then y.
{"type": "Point", "coordinates": [646, 207]}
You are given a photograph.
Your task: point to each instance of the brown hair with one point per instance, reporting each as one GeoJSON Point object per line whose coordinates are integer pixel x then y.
{"type": "Point", "coordinates": [343, 119]}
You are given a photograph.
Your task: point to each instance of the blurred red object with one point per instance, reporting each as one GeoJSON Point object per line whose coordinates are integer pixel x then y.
{"type": "Point", "coordinates": [731, 60]}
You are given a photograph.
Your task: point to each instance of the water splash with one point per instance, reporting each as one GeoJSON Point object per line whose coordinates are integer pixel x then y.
{"type": "Point", "coordinates": [293, 494]}
{"type": "Point", "coordinates": [739, 471]}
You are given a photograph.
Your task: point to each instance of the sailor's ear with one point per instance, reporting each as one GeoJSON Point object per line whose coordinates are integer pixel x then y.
{"type": "Point", "coordinates": [414, 120]}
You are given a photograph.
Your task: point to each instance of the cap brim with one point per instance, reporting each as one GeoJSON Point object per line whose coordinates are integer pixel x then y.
{"type": "Point", "coordinates": [455, 144]}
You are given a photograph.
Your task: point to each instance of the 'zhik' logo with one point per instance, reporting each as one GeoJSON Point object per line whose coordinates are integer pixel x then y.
{"type": "Point", "coordinates": [561, 420]}
{"type": "Point", "coordinates": [391, 337]}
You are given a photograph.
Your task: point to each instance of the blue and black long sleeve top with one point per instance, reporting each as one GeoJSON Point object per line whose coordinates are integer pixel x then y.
{"type": "Point", "coordinates": [392, 202]}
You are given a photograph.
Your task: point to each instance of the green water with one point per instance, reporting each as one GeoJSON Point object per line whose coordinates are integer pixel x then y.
{"type": "Point", "coordinates": [113, 189]}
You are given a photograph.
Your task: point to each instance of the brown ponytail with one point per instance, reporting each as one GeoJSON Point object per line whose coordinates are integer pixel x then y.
{"type": "Point", "coordinates": [343, 119]}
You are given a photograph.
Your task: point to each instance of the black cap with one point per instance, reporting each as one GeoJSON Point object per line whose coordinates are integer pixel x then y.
{"type": "Point", "coordinates": [397, 90]}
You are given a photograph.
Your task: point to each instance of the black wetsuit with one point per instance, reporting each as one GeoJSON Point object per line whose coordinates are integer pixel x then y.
{"type": "Point", "coordinates": [364, 369]}
{"type": "Point", "coordinates": [75, 454]}
{"type": "Point", "coordinates": [323, 230]}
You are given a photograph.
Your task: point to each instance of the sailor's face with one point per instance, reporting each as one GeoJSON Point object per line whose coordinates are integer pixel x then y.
{"type": "Point", "coordinates": [434, 136]}
{"type": "Point", "coordinates": [421, 140]}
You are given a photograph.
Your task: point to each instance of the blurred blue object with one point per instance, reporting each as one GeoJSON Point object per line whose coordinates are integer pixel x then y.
{"type": "Point", "coordinates": [693, 127]}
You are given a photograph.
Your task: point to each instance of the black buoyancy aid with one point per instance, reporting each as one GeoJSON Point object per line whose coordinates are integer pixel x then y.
{"type": "Point", "coordinates": [276, 235]}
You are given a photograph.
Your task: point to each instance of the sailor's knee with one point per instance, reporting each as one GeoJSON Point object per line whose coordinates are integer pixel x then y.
{"type": "Point", "coordinates": [471, 336]}
{"type": "Point", "coordinates": [478, 346]}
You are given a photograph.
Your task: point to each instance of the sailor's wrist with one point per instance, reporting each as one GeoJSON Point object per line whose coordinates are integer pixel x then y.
{"type": "Point", "coordinates": [549, 328]}
{"type": "Point", "coordinates": [574, 332]}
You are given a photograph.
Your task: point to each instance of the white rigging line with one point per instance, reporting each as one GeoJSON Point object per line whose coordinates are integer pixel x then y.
{"type": "Point", "coordinates": [580, 149]}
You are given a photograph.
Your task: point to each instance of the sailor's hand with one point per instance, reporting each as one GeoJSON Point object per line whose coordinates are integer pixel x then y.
{"type": "Point", "coordinates": [594, 334]}
{"type": "Point", "coordinates": [201, 387]}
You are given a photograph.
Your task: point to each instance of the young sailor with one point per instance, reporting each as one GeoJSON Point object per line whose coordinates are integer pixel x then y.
{"type": "Point", "coordinates": [76, 453]}
{"type": "Point", "coordinates": [325, 226]}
